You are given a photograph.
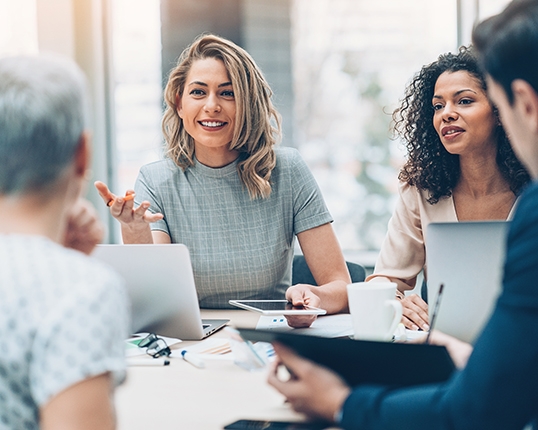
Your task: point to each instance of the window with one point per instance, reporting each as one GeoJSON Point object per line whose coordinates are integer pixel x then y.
{"type": "Point", "coordinates": [138, 90]}
{"type": "Point", "coordinates": [352, 60]}
{"type": "Point", "coordinates": [18, 27]}
{"type": "Point", "coordinates": [350, 63]}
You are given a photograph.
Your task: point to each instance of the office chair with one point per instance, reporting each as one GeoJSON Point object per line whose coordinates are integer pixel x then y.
{"type": "Point", "coordinates": [301, 273]}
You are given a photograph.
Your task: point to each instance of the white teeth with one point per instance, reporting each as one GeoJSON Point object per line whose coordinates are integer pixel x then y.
{"type": "Point", "coordinates": [451, 132]}
{"type": "Point", "coordinates": [212, 124]}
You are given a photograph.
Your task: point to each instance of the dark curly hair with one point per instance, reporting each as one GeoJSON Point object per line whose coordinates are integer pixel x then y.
{"type": "Point", "coordinates": [429, 166]}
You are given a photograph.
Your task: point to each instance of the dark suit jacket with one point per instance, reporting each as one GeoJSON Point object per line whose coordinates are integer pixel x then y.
{"type": "Point", "coordinates": [498, 389]}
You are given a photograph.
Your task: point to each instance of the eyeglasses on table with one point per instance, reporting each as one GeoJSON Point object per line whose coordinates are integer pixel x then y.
{"type": "Point", "coordinates": [155, 346]}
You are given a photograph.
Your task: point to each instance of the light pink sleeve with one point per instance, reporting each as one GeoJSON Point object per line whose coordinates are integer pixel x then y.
{"type": "Point", "coordinates": [402, 255]}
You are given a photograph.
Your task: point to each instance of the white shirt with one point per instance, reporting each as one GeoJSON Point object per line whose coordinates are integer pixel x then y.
{"type": "Point", "coordinates": [63, 318]}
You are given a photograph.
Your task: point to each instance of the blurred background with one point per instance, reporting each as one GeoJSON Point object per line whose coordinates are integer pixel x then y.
{"type": "Point", "coordinates": [337, 68]}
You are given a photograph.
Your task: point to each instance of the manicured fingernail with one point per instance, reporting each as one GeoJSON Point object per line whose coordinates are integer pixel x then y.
{"type": "Point", "coordinates": [426, 327]}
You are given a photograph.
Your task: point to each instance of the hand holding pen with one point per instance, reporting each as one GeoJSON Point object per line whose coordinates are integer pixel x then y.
{"type": "Point", "coordinates": [122, 207]}
{"type": "Point", "coordinates": [459, 351]}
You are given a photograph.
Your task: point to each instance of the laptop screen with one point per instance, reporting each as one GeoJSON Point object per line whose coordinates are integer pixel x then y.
{"type": "Point", "coordinates": [468, 258]}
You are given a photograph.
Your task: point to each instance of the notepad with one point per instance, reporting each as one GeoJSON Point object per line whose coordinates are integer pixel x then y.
{"type": "Point", "coordinates": [325, 326]}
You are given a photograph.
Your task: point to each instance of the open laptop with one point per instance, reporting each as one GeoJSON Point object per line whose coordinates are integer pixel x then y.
{"type": "Point", "coordinates": [160, 284]}
{"type": "Point", "coordinates": [468, 258]}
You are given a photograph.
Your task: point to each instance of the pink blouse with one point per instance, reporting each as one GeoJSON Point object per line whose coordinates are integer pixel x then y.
{"type": "Point", "coordinates": [402, 254]}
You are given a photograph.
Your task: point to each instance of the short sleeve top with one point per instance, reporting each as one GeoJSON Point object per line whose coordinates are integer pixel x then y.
{"type": "Point", "coordinates": [63, 318]}
{"type": "Point", "coordinates": [241, 248]}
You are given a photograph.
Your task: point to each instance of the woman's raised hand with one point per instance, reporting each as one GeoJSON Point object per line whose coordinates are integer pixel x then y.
{"type": "Point", "coordinates": [122, 207]}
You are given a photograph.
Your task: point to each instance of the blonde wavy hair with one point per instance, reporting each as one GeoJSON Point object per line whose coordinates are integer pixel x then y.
{"type": "Point", "coordinates": [257, 123]}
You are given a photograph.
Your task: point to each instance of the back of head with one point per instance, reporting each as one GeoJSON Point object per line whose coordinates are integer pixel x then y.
{"type": "Point", "coordinates": [508, 44]}
{"type": "Point", "coordinates": [42, 117]}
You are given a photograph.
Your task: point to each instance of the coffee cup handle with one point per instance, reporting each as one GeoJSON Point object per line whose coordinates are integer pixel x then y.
{"type": "Point", "coordinates": [397, 315]}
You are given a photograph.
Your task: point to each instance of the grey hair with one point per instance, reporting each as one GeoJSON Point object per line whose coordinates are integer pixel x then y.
{"type": "Point", "coordinates": [43, 110]}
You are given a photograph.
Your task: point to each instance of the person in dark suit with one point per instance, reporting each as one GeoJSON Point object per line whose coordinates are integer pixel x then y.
{"type": "Point", "coordinates": [498, 387]}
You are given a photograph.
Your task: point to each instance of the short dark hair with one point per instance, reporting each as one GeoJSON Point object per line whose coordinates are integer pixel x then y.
{"type": "Point", "coordinates": [507, 45]}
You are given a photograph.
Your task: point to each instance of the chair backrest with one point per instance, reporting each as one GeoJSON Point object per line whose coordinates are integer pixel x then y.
{"type": "Point", "coordinates": [301, 273]}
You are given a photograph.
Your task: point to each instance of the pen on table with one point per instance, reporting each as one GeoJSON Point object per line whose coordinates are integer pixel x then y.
{"type": "Point", "coordinates": [195, 361]}
{"type": "Point", "coordinates": [435, 311]}
{"type": "Point", "coordinates": [147, 362]}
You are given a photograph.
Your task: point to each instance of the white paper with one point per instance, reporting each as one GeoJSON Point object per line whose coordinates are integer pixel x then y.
{"type": "Point", "coordinates": [324, 326]}
{"type": "Point", "coordinates": [214, 348]}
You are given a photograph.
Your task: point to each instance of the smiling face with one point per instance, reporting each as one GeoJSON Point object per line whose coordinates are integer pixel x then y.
{"type": "Point", "coordinates": [463, 116]}
{"type": "Point", "coordinates": [207, 108]}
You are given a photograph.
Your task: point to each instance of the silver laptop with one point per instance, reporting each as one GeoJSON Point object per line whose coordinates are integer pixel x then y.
{"type": "Point", "coordinates": [160, 284]}
{"type": "Point", "coordinates": [468, 258]}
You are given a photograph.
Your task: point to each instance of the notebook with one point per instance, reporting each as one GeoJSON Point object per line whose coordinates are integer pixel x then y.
{"type": "Point", "coordinates": [468, 257]}
{"type": "Point", "coordinates": [160, 284]}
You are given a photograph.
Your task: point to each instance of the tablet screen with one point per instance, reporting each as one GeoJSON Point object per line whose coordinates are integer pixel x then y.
{"type": "Point", "coordinates": [271, 305]}
{"type": "Point", "coordinates": [282, 307]}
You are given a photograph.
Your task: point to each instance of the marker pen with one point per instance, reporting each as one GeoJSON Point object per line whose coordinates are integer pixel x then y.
{"type": "Point", "coordinates": [125, 198]}
{"type": "Point", "coordinates": [192, 359]}
{"type": "Point", "coordinates": [147, 362]}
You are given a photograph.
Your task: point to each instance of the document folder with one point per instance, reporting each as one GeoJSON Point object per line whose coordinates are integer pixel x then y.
{"type": "Point", "coordinates": [366, 362]}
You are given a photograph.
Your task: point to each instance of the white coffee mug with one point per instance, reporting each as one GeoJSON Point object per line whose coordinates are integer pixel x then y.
{"type": "Point", "coordinates": [374, 310]}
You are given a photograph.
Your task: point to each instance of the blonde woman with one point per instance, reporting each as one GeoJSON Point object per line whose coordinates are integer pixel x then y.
{"type": "Point", "coordinates": [227, 192]}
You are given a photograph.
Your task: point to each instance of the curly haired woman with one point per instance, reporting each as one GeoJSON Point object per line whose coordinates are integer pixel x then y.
{"type": "Point", "coordinates": [460, 167]}
{"type": "Point", "coordinates": [228, 193]}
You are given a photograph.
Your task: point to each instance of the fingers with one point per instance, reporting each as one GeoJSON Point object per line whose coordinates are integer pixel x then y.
{"type": "Point", "coordinates": [301, 295]}
{"type": "Point", "coordinates": [312, 389]}
{"type": "Point", "coordinates": [296, 365]}
{"type": "Point", "coordinates": [415, 313]}
{"type": "Point", "coordinates": [122, 207]}
{"type": "Point", "coordinates": [295, 296]}
{"type": "Point", "coordinates": [300, 321]}
{"type": "Point", "coordinates": [459, 351]}
{"type": "Point", "coordinates": [104, 192]}
{"type": "Point", "coordinates": [84, 230]}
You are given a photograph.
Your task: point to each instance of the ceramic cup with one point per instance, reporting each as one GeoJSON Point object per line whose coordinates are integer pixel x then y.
{"type": "Point", "coordinates": [374, 310]}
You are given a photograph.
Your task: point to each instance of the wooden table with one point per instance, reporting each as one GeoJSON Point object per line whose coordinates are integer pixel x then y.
{"type": "Point", "coordinates": [181, 396]}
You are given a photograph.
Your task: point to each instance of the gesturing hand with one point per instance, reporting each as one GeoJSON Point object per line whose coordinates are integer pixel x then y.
{"type": "Point", "coordinates": [122, 208]}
